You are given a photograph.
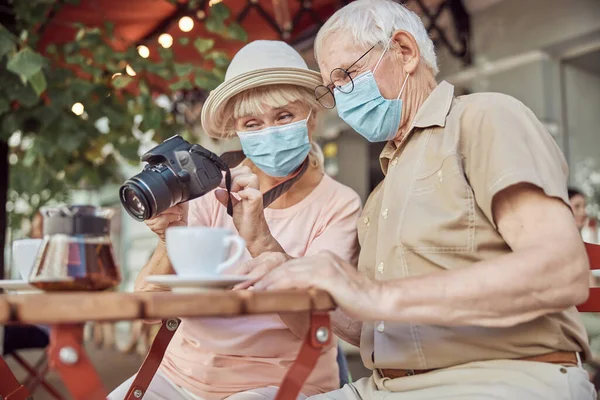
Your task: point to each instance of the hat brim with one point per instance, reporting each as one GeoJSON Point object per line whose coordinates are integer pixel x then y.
{"type": "Point", "coordinates": [213, 109]}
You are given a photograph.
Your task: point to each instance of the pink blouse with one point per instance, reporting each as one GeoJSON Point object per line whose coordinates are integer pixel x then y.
{"type": "Point", "coordinates": [214, 358]}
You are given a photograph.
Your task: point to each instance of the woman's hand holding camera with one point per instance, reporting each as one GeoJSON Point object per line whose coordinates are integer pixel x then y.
{"type": "Point", "coordinates": [174, 216]}
{"type": "Point", "coordinates": [248, 215]}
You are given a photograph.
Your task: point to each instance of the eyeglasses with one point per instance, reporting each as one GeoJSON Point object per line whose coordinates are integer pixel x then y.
{"type": "Point", "coordinates": [341, 80]}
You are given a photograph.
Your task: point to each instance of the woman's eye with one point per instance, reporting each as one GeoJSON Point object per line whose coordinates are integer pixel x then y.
{"type": "Point", "coordinates": [284, 117]}
{"type": "Point", "coordinates": [251, 125]}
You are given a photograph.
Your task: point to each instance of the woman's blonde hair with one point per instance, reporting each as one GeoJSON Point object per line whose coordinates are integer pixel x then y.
{"type": "Point", "coordinates": [258, 100]}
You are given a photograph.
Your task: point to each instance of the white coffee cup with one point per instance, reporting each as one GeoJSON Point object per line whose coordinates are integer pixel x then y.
{"type": "Point", "coordinates": [201, 251]}
{"type": "Point", "coordinates": [24, 253]}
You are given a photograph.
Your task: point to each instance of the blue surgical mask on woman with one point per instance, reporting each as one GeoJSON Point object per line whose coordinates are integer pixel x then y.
{"type": "Point", "coordinates": [366, 110]}
{"type": "Point", "coordinates": [277, 150]}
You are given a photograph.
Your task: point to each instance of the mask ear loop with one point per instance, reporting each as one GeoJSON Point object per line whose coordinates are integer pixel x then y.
{"type": "Point", "coordinates": [387, 46]}
{"type": "Point", "coordinates": [403, 85]}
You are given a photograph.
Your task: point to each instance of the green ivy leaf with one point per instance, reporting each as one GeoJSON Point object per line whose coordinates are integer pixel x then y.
{"type": "Point", "coordinates": [121, 81]}
{"type": "Point", "coordinates": [203, 45]}
{"type": "Point", "coordinates": [29, 159]}
{"type": "Point", "coordinates": [25, 96]}
{"type": "Point", "coordinates": [25, 63]}
{"type": "Point", "coordinates": [129, 150]}
{"type": "Point", "coordinates": [219, 73]}
{"type": "Point", "coordinates": [9, 125]}
{"type": "Point", "coordinates": [236, 32]}
{"type": "Point", "coordinates": [38, 83]}
{"type": "Point", "coordinates": [206, 80]}
{"type": "Point", "coordinates": [152, 120]}
{"type": "Point", "coordinates": [51, 49]}
{"type": "Point", "coordinates": [184, 41]}
{"type": "Point", "coordinates": [220, 58]}
{"type": "Point", "coordinates": [109, 27]}
{"type": "Point", "coordinates": [183, 84]}
{"type": "Point", "coordinates": [4, 105]}
{"type": "Point", "coordinates": [183, 69]}
{"type": "Point", "coordinates": [215, 26]}
{"type": "Point", "coordinates": [6, 42]}
{"type": "Point", "coordinates": [220, 12]}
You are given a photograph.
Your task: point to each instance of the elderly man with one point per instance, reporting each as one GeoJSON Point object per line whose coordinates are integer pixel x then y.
{"type": "Point", "coordinates": [457, 295]}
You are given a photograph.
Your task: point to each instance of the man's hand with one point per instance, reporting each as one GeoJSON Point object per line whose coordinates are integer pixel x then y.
{"type": "Point", "coordinates": [260, 266]}
{"type": "Point", "coordinates": [354, 293]}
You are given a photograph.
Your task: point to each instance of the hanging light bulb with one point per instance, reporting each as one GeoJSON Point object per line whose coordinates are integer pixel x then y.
{"type": "Point", "coordinates": [143, 51]}
{"type": "Point", "coordinates": [130, 71]}
{"type": "Point", "coordinates": [77, 109]}
{"type": "Point", "coordinates": [186, 24]}
{"type": "Point", "coordinates": [115, 75]}
{"type": "Point", "coordinates": [213, 2]}
{"type": "Point", "coordinates": [165, 40]}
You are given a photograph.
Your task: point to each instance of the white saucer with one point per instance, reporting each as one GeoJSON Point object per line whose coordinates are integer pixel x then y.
{"type": "Point", "coordinates": [188, 284]}
{"type": "Point", "coordinates": [17, 285]}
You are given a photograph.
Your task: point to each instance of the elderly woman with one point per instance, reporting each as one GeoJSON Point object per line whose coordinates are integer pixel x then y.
{"type": "Point", "coordinates": [457, 294]}
{"type": "Point", "coordinates": [267, 101]}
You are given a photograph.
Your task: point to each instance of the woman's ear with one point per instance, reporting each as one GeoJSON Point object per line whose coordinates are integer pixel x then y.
{"type": "Point", "coordinates": [407, 50]}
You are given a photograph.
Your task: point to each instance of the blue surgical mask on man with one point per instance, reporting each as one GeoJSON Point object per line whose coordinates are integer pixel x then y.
{"type": "Point", "coordinates": [277, 150]}
{"type": "Point", "coordinates": [366, 110]}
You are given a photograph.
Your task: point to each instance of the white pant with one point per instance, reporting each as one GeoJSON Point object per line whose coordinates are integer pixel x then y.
{"type": "Point", "coordinates": [161, 388]}
{"type": "Point", "coordinates": [486, 380]}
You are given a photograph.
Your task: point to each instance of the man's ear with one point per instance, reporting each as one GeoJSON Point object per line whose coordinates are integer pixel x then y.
{"type": "Point", "coordinates": [406, 49]}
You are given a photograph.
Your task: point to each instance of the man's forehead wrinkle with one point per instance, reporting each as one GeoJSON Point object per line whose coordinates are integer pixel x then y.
{"type": "Point", "coordinates": [345, 51]}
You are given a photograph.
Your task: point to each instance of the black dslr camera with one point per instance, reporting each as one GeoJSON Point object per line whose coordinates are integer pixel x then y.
{"type": "Point", "coordinates": [176, 172]}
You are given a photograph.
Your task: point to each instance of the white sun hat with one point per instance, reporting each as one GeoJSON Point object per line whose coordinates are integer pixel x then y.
{"type": "Point", "coordinates": [259, 63]}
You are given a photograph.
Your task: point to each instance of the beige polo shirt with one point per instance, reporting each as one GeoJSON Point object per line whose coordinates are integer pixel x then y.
{"type": "Point", "coordinates": [433, 212]}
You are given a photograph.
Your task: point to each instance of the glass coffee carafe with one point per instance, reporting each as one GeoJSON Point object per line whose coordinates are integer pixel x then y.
{"type": "Point", "coordinates": [76, 254]}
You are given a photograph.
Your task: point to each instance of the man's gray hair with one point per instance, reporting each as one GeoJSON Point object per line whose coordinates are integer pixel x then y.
{"type": "Point", "coordinates": [371, 22]}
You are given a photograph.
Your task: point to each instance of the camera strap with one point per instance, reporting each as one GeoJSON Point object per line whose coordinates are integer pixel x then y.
{"type": "Point", "coordinates": [235, 158]}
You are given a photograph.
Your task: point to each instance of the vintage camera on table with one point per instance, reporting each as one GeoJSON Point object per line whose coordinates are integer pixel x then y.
{"type": "Point", "coordinates": [176, 172]}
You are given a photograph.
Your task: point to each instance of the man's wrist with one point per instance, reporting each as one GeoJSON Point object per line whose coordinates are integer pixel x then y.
{"type": "Point", "coordinates": [263, 244]}
{"type": "Point", "coordinates": [382, 309]}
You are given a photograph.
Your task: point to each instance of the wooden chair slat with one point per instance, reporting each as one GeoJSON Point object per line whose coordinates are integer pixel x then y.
{"type": "Point", "coordinates": [593, 251]}
{"type": "Point", "coordinates": [593, 302]}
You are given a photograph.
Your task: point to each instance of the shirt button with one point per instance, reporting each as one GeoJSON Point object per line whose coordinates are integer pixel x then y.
{"type": "Point", "coordinates": [366, 221]}
{"type": "Point", "coordinates": [380, 267]}
{"type": "Point", "coordinates": [381, 327]}
{"type": "Point", "coordinates": [384, 213]}
{"type": "Point", "coordinates": [394, 162]}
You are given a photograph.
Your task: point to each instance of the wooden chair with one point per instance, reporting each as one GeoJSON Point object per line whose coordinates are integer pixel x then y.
{"type": "Point", "coordinates": [28, 337]}
{"type": "Point", "coordinates": [593, 302]}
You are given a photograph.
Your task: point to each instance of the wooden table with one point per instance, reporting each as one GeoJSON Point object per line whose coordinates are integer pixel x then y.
{"type": "Point", "coordinates": [66, 313]}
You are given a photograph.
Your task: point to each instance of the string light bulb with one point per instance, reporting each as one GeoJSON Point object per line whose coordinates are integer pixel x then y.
{"type": "Point", "coordinates": [143, 51]}
{"type": "Point", "coordinates": [186, 24]}
{"type": "Point", "coordinates": [116, 74]}
{"type": "Point", "coordinates": [130, 71]}
{"type": "Point", "coordinates": [213, 2]}
{"type": "Point", "coordinates": [165, 40]}
{"type": "Point", "coordinates": [78, 109]}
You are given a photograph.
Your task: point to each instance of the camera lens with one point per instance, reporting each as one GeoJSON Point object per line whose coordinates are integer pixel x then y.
{"type": "Point", "coordinates": [151, 192]}
{"type": "Point", "coordinates": [136, 203]}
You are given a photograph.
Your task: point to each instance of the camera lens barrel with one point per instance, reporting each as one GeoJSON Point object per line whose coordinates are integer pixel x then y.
{"type": "Point", "coordinates": [151, 192]}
